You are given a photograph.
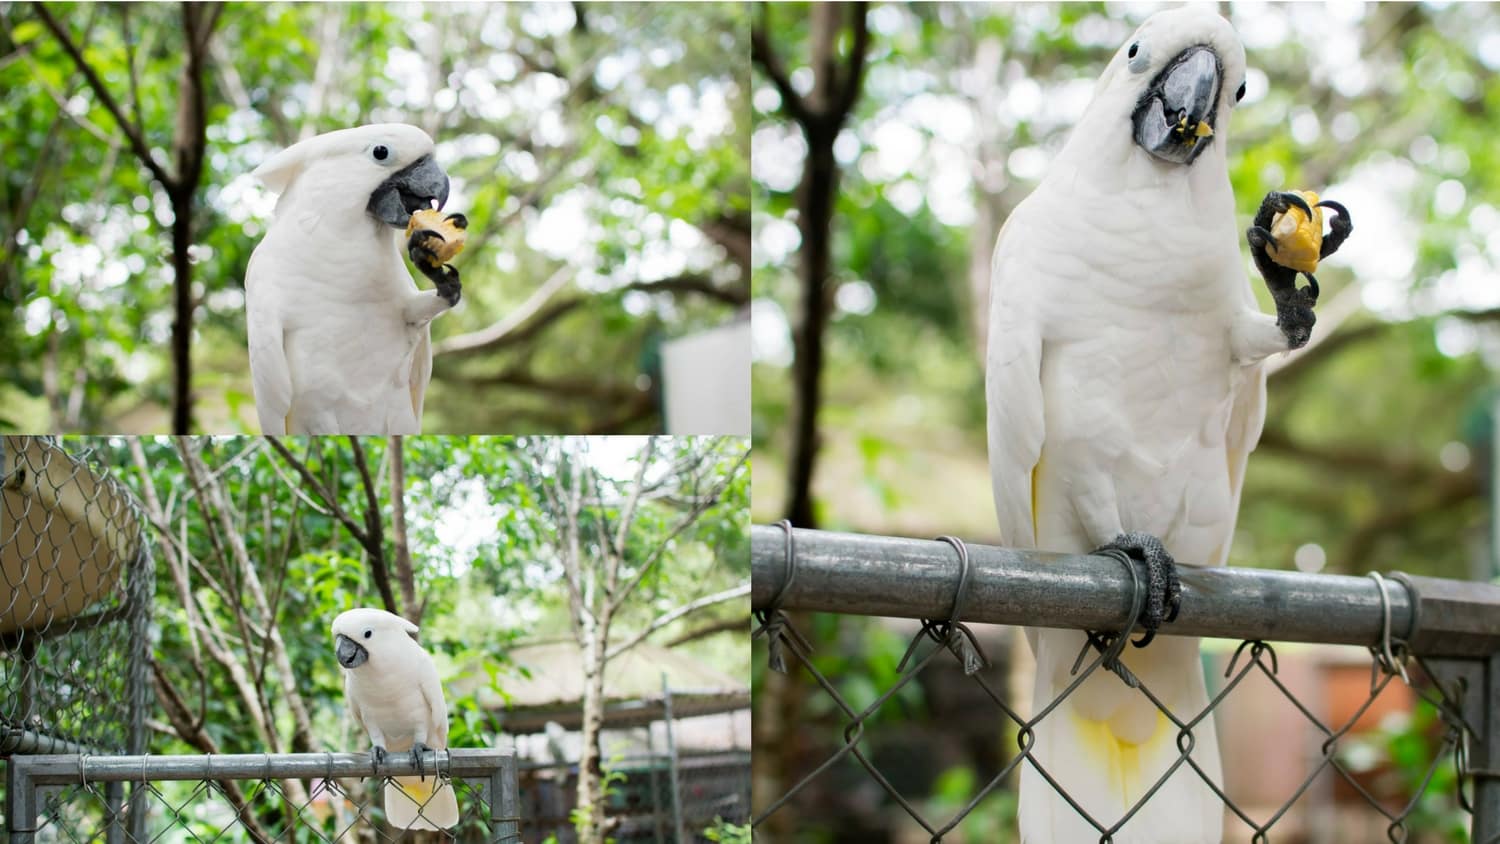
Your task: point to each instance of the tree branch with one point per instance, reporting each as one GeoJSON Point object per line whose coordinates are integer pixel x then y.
{"type": "Point", "coordinates": [848, 89]}
{"type": "Point", "coordinates": [497, 334]}
{"type": "Point", "coordinates": [702, 503]}
{"type": "Point", "coordinates": [684, 610]}
{"type": "Point", "coordinates": [762, 53]}
{"type": "Point", "coordinates": [1344, 458]}
{"type": "Point", "coordinates": [737, 295]}
{"type": "Point", "coordinates": [404, 575]}
{"type": "Point", "coordinates": [375, 530]}
{"type": "Point", "coordinates": [132, 133]}
{"type": "Point", "coordinates": [329, 501]}
{"type": "Point", "coordinates": [723, 625]}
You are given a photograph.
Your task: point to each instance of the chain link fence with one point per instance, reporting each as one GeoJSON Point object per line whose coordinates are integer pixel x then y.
{"type": "Point", "coordinates": [1441, 638]}
{"type": "Point", "coordinates": [75, 601]}
{"type": "Point", "coordinates": [711, 787]}
{"type": "Point", "coordinates": [243, 797]}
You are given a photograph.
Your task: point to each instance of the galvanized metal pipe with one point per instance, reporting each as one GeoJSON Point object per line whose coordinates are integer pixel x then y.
{"type": "Point", "coordinates": [65, 769]}
{"type": "Point", "coordinates": [15, 740]}
{"type": "Point", "coordinates": [912, 578]}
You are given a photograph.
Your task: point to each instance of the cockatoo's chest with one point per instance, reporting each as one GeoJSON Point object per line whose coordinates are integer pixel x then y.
{"type": "Point", "coordinates": [1136, 357]}
{"type": "Point", "coordinates": [392, 703]}
{"type": "Point", "coordinates": [351, 346]}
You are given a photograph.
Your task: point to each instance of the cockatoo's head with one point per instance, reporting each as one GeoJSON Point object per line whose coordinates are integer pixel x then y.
{"type": "Point", "coordinates": [386, 169]}
{"type": "Point", "coordinates": [1176, 77]}
{"type": "Point", "coordinates": [372, 636]}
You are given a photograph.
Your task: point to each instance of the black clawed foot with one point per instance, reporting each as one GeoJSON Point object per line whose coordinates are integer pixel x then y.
{"type": "Point", "coordinates": [1163, 589]}
{"type": "Point", "coordinates": [1276, 202]}
{"type": "Point", "coordinates": [421, 247]}
{"type": "Point", "coordinates": [377, 758]}
{"type": "Point", "coordinates": [416, 757]}
{"type": "Point", "coordinates": [1294, 307]}
{"type": "Point", "coordinates": [1295, 317]}
{"type": "Point", "coordinates": [459, 221]}
{"type": "Point", "coordinates": [448, 285]}
{"type": "Point", "coordinates": [1339, 227]}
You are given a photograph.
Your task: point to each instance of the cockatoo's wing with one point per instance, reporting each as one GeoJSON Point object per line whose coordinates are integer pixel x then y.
{"type": "Point", "coordinates": [1013, 387]}
{"type": "Point", "coordinates": [421, 373]}
{"type": "Point", "coordinates": [437, 710]}
{"type": "Point", "coordinates": [270, 377]}
{"type": "Point", "coordinates": [425, 802]}
{"type": "Point", "coordinates": [353, 702]}
{"type": "Point", "coordinates": [1247, 418]}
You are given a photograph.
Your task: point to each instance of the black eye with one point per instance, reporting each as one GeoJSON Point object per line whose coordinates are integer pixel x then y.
{"type": "Point", "coordinates": [381, 153]}
{"type": "Point", "coordinates": [1134, 48]}
{"type": "Point", "coordinates": [1240, 94]}
{"type": "Point", "coordinates": [369, 633]}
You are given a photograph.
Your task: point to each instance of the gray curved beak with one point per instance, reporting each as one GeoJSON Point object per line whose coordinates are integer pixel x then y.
{"type": "Point", "coordinates": [410, 189]}
{"type": "Point", "coordinates": [349, 653]}
{"type": "Point", "coordinates": [1173, 120]}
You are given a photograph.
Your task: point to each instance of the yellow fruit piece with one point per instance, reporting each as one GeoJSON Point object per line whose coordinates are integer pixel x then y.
{"type": "Point", "coordinates": [1296, 240]}
{"type": "Point", "coordinates": [435, 221]}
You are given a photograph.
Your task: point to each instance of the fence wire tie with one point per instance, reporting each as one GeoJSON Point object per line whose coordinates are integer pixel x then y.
{"type": "Point", "coordinates": [953, 634]}
{"type": "Point", "coordinates": [83, 770]}
{"type": "Point", "coordinates": [774, 624]}
{"type": "Point", "coordinates": [1113, 644]}
{"type": "Point", "coordinates": [1384, 654]}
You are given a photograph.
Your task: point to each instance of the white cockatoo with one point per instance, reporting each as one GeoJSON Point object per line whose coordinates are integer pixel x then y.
{"type": "Point", "coordinates": [339, 332]}
{"type": "Point", "coordinates": [391, 687]}
{"type": "Point", "coordinates": [1124, 392]}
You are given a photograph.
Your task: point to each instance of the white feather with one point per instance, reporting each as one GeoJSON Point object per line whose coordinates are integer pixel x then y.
{"type": "Point", "coordinates": [396, 696]}
{"type": "Point", "coordinates": [1123, 396]}
{"type": "Point", "coordinates": [338, 330]}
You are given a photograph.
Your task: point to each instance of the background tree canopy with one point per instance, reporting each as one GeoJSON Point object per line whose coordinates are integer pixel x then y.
{"type": "Point", "coordinates": [599, 152]}
{"type": "Point", "coordinates": [1377, 443]}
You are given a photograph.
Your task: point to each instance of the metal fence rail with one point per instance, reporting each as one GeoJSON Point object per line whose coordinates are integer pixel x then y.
{"type": "Point", "coordinates": [1441, 636]}
{"type": "Point", "coordinates": [59, 797]}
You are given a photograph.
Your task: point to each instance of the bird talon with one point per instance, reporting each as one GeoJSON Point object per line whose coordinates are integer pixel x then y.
{"type": "Point", "coordinates": [1288, 198]}
{"type": "Point", "coordinates": [416, 758]}
{"type": "Point", "coordinates": [1340, 227]}
{"type": "Point", "coordinates": [1163, 589]}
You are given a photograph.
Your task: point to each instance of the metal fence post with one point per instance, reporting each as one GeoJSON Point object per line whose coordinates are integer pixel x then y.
{"type": "Point", "coordinates": [505, 809]}
{"type": "Point", "coordinates": [666, 697]}
{"type": "Point", "coordinates": [20, 801]}
{"type": "Point", "coordinates": [1485, 761]}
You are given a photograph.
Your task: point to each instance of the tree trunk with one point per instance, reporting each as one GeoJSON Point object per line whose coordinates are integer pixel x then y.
{"type": "Point", "coordinates": [814, 222]}
{"type": "Point", "coordinates": [821, 117]}
{"type": "Point", "coordinates": [404, 575]}
{"type": "Point", "coordinates": [182, 323]}
{"type": "Point", "coordinates": [189, 142]}
{"type": "Point", "coordinates": [590, 823]}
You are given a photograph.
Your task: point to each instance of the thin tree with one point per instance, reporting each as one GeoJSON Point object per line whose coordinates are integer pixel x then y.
{"type": "Point", "coordinates": [821, 116]}
{"type": "Point", "coordinates": [607, 551]}
{"type": "Point", "coordinates": [180, 178]}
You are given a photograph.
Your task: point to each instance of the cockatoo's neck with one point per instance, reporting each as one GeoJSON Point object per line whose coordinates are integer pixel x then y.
{"type": "Point", "coordinates": [1100, 162]}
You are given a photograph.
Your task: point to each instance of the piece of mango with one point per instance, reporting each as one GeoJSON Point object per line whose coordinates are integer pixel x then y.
{"type": "Point", "coordinates": [451, 228]}
{"type": "Point", "coordinates": [1296, 240]}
